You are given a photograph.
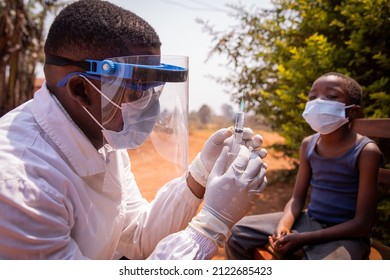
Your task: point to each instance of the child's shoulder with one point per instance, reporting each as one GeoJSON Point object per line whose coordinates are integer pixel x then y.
{"type": "Point", "coordinates": [367, 143]}
{"type": "Point", "coordinates": [370, 146]}
{"type": "Point", "coordinates": [309, 138]}
{"type": "Point", "coordinates": [369, 150]}
{"type": "Point", "coordinates": [307, 142]}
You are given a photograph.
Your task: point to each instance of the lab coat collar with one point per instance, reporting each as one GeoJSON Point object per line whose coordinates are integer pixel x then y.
{"type": "Point", "coordinates": [68, 137]}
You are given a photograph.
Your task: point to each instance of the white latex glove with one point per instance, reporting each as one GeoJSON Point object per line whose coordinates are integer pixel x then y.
{"type": "Point", "coordinates": [229, 195]}
{"type": "Point", "coordinates": [203, 163]}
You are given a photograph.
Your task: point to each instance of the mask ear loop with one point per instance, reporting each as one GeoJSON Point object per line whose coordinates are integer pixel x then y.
{"type": "Point", "coordinates": [354, 113]}
{"type": "Point", "coordinates": [98, 90]}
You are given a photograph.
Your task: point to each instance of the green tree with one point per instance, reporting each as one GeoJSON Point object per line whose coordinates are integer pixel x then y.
{"type": "Point", "coordinates": [21, 41]}
{"type": "Point", "coordinates": [276, 54]}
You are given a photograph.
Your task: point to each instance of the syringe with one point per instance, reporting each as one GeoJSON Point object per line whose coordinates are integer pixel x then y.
{"type": "Point", "coordinates": [238, 130]}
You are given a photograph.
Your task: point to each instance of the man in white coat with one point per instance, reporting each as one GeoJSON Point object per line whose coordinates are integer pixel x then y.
{"type": "Point", "coordinates": [66, 186]}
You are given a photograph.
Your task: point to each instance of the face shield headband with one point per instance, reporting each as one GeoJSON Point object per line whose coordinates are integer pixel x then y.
{"type": "Point", "coordinates": [160, 72]}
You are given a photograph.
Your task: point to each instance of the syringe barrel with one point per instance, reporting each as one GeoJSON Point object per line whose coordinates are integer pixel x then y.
{"type": "Point", "coordinates": [239, 125]}
{"type": "Point", "coordinates": [238, 133]}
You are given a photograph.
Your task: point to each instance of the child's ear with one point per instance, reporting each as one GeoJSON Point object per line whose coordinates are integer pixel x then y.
{"type": "Point", "coordinates": [355, 112]}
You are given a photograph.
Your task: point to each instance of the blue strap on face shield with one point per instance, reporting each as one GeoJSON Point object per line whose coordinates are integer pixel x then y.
{"type": "Point", "coordinates": [119, 83]}
{"type": "Point", "coordinates": [108, 67]}
{"type": "Point", "coordinates": [136, 72]}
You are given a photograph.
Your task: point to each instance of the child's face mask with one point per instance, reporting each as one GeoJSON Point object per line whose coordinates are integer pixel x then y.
{"type": "Point", "coordinates": [325, 116]}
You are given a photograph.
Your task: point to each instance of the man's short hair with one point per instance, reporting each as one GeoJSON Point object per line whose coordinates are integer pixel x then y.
{"type": "Point", "coordinates": [97, 29]}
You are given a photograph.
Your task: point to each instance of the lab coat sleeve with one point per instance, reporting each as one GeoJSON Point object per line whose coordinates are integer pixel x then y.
{"type": "Point", "coordinates": [188, 244]}
{"type": "Point", "coordinates": [35, 224]}
{"type": "Point", "coordinates": [146, 224]}
{"type": "Point", "coordinates": [199, 241]}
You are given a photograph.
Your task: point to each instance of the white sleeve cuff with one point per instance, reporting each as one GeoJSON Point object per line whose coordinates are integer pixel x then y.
{"type": "Point", "coordinates": [207, 245]}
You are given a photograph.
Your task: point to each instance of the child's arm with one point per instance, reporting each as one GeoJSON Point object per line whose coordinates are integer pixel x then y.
{"type": "Point", "coordinates": [297, 201]}
{"type": "Point", "coordinates": [368, 164]}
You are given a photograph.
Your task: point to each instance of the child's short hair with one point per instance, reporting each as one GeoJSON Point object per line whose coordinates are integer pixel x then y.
{"type": "Point", "coordinates": [98, 29]}
{"type": "Point", "coordinates": [353, 88]}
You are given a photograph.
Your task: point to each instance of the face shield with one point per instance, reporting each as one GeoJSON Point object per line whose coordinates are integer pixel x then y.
{"type": "Point", "coordinates": [144, 100]}
{"type": "Point", "coordinates": [166, 148]}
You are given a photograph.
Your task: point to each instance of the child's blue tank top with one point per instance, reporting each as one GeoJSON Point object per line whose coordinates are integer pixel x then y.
{"type": "Point", "coordinates": [334, 183]}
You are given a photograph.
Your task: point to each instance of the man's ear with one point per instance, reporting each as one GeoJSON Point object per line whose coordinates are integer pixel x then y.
{"type": "Point", "coordinates": [80, 91]}
{"type": "Point", "coordinates": [355, 112]}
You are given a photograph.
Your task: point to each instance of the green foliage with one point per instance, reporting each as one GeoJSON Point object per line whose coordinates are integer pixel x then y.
{"type": "Point", "coordinates": [275, 55]}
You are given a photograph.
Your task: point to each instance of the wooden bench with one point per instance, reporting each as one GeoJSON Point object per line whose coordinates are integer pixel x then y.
{"type": "Point", "coordinates": [376, 129]}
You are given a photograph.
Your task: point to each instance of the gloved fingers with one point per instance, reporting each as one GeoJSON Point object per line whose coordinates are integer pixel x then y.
{"type": "Point", "coordinates": [241, 161]}
{"type": "Point", "coordinates": [263, 185]}
{"type": "Point", "coordinates": [254, 165]}
{"type": "Point", "coordinates": [261, 188]}
{"type": "Point", "coordinates": [259, 182]}
{"type": "Point", "coordinates": [262, 153]}
{"type": "Point", "coordinates": [255, 142]}
{"type": "Point", "coordinates": [247, 133]}
{"type": "Point", "coordinates": [220, 163]}
{"type": "Point", "coordinates": [221, 135]}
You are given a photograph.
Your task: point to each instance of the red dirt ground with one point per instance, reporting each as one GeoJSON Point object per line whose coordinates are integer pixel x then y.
{"type": "Point", "coordinates": [151, 174]}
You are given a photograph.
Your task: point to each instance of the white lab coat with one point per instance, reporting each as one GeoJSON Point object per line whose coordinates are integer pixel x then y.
{"type": "Point", "coordinates": [62, 199]}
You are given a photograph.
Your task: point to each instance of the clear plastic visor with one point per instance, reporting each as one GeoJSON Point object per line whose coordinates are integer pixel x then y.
{"type": "Point", "coordinates": [166, 148]}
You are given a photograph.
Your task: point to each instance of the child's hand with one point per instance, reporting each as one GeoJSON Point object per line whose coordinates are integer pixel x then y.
{"type": "Point", "coordinates": [279, 232]}
{"type": "Point", "coordinates": [286, 244]}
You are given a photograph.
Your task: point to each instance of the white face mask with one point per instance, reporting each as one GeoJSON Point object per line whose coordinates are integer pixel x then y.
{"type": "Point", "coordinates": [325, 116]}
{"type": "Point", "coordinates": [139, 118]}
